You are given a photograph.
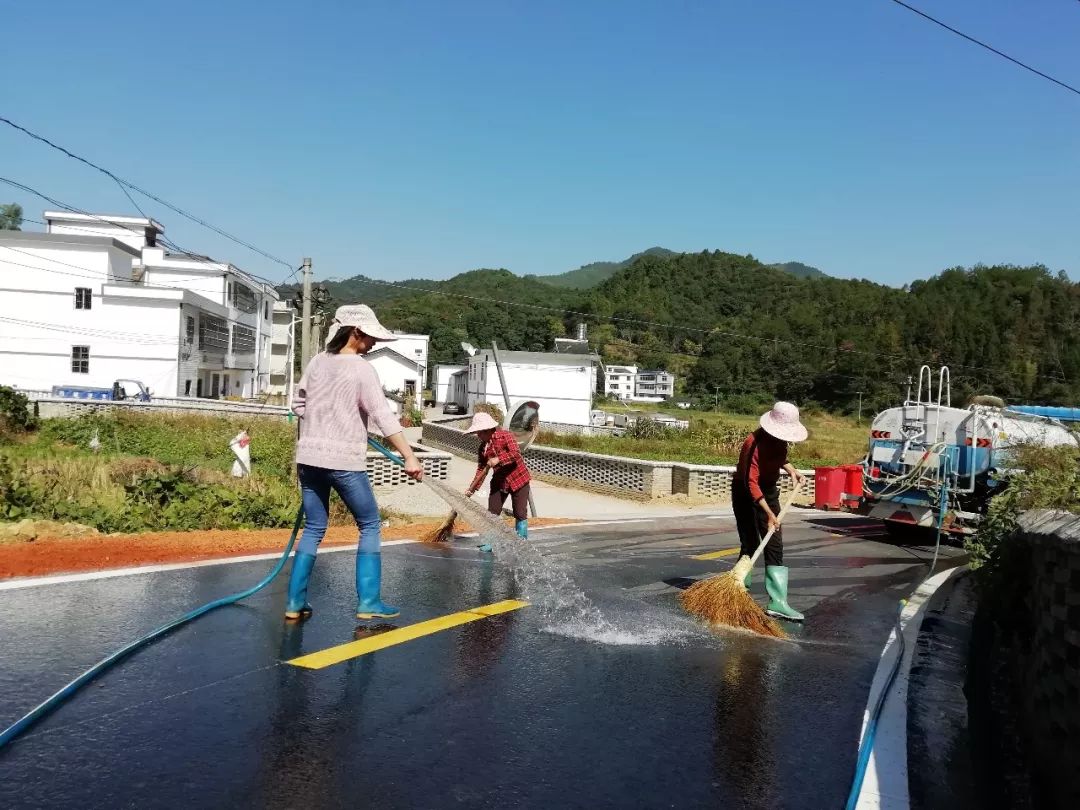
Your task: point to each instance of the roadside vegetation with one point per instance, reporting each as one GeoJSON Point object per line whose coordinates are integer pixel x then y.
{"type": "Point", "coordinates": [715, 438]}
{"type": "Point", "coordinates": [1049, 478]}
{"type": "Point", "coordinates": [149, 473]}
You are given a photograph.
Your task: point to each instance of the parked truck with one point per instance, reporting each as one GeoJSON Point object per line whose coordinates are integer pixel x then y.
{"type": "Point", "coordinates": [121, 390]}
{"type": "Point", "coordinates": [932, 464]}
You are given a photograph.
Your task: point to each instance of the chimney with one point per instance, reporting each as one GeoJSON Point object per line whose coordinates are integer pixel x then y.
{"type": "Point", "coordinates": [582, 331]}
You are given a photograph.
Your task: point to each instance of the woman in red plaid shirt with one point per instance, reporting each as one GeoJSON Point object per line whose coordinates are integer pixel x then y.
{"type": "Point", "coordinates": [499, 452]}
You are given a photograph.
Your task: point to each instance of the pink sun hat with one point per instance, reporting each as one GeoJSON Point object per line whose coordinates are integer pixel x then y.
{"type": "Point", "coordinates": [783, 423]}
{"type": "Point", "coordinates": [482, 421]}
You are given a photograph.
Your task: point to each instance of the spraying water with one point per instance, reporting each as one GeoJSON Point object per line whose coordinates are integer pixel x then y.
{"type": "Point", "coordinates": [563, 607]}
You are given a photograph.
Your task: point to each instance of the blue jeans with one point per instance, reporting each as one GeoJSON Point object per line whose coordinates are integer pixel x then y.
{"type": "Point", "coordinates": [354, 489]}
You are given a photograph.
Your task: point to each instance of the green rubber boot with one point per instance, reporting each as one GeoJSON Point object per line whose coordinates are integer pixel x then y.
{"type": "Point", "coordinates": [776, 582]}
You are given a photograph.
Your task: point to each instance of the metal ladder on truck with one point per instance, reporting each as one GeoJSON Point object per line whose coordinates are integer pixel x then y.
{"type": "Point", "coordinates": [915, 413]}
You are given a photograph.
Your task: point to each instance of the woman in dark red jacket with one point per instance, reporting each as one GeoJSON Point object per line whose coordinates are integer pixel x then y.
{"type": "Point", "coordinates": [755, 497]}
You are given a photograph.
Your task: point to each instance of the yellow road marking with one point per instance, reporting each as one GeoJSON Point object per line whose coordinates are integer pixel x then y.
{"type": "Point", "coordinates": [353, 649]}
{"type": "Point", "coordinates": [714, 555]}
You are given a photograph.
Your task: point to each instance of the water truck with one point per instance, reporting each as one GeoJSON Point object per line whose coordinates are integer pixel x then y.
{"type": "Point", "coordinates": [930, 464]}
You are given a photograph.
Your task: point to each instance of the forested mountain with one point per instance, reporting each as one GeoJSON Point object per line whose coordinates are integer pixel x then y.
{"type": "Point", "coordinates": [590, 275]}
{"type": "Point", "coordinates": [799, 269]}
{"type": "Point", "coordinates": [746, 332]}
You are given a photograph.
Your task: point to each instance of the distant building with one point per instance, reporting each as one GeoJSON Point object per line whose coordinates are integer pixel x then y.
{"type": "Point", "coordinates": [402, 363]}
{"type": "Point", "coordinates": [96, 299]}
{"type": "Point", "coordinates": [654, 383]}
{"type": "Point", "coordinates": [282, 342]}
{"type": "Point", "coordinates": [442, 383]}
{"type": "Point", "coordinates": [574, 345]}
{"type": "Point", "coordinates": [562, 384]}
{"type": "Point", "coordinates": [619, 381]}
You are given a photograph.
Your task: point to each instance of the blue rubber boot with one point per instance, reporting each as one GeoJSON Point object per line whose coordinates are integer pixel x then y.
{"type": "Point", "coordinates": [485, 548]}
{"type": "Point", "coordinates": [296, 604]}
{"type": "Point", "coordinates": [522, 527]}
{"type": "Point", "coordinates": [369, 586]}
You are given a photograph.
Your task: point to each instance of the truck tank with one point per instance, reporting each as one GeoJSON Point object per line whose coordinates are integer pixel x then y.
{"type": "Point", "coordinates": [925, 450]}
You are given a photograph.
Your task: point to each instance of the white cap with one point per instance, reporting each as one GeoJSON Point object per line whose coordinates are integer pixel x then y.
{"type": "Point", "coordinates": [363, 318]}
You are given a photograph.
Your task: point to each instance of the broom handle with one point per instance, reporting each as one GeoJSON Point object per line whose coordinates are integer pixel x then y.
{"type": "Point", "coordinates": [779, 519]}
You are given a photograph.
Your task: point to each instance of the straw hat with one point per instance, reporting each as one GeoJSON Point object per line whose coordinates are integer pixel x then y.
{"type": "Point", "coordinates": [363, 318]}
{"type": "Point", "coordinates": [783, 423]}
{"type": "Point", "coordinates": [482, 421]}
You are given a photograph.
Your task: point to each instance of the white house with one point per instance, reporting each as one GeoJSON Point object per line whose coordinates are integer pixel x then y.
{"type": "Point", "coordinates": [619, 381]}
{"type": "Point", "coordinates": [442, 382]}
{"type": "Point", "coordinates": [579, 344]}
{"type": "Point", "coordinates": [654, 383]}
{"type": "Point", "coordinates": [562, 384]}
{"type": "Point", "coordinates": [282, 342]}
{"type": "Point", "coordinates": [402, 363]}
{"type": "Point", "coordinates": [95, 299]}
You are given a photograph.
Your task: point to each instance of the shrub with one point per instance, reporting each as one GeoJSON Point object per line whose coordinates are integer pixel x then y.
{"type": "Point", "coordinates": [15, 412]}
{"type": "Point", "coordinates": [651, 429]}
{"type": "Point", "coordinates": [1048, 478]}
{"type": "Point", "coordinates": [132, 498]}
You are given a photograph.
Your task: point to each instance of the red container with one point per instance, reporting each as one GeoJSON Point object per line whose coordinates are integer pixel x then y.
{"type": "Point", "coordinates": [829, 487]}
{"type": "Point", "coordinates": [853, 484]}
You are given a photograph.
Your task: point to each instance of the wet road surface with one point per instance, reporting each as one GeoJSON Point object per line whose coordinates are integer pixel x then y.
{"type": "Point", "coordinates": [513, 710]}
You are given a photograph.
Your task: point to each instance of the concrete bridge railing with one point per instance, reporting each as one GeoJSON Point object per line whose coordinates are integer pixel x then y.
{"type": "Point", "coordinates": [638, 479]}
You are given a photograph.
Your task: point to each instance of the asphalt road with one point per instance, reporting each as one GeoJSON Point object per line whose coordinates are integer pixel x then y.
{"type": "Point", "coordinates": [534, 707]}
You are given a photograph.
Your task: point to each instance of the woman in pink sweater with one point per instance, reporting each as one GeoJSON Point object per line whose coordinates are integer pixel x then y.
{"type": "Point", "coordinates": [338, 398]}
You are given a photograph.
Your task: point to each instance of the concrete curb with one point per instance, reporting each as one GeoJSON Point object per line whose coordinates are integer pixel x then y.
{"type": "Point", "coordinates": [17, 583]}
{"type": "Point", "coordinates": [885, 786]}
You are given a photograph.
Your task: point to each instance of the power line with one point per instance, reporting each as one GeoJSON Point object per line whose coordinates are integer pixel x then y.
{"type": "Point", "coordinates": [124, 184]}
{"type": "Point", "coordinates": [990, 48]}
{"type": "Point", "coordinates": [115, 281]}
{"type": "Point", "coordinates": [166, 242]}
{"type": "Point", "coordinates": [96, 277]}
{"type": "Point", "coordinates": [102, 334]}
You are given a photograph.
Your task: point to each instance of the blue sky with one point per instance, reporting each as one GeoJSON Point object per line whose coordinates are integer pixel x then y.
{"type": "Point", "coordinates": [424, 139]}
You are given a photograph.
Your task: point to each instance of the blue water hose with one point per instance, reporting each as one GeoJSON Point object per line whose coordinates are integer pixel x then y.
{"type": "Point", "coordinates": [69, 690]}
{"type": "Point", "coordinates": [879, 704]}
{"type": "Point", "coordinates": [374, 445]}
{"type": "Point", "coordinates": [66, 692]}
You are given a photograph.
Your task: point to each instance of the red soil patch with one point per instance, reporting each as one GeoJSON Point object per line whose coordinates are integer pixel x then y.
{"type": "Point", "coordinates": [54, 555]}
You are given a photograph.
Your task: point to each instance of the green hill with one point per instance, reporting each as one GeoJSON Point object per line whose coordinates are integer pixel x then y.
{"type": "Point", "coordinates": [799, 270]}
{"type": "Point", "coordinates": [745, 332]}
{"type": "Point", "coordinates": [589, 275]}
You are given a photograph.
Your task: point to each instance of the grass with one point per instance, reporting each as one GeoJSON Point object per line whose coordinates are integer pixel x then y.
{"type": "Point", "coordinates": [152, 472]}
{"type": "Point", "coordinates": [715, 438]}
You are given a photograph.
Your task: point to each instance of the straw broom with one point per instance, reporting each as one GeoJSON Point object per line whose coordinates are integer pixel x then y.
{"type": "Point", "coordinates": [444, 532]}
{"type": "Point", "coordinates": [446, 529]}
{"type": "Point", "coordinates": [723, 599]}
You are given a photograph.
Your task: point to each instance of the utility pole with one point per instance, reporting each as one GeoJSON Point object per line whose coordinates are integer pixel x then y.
{"type": "Point", "coordinates": [716, 397]}
{"type": "Point", "coordinates": [318, 320]}
{"type": "Point", "coordinates": [305, 325]}
{"type": "Point", "coordinates": [506, 400]}
{"type": "Point", "coordinates": [859, 419]}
